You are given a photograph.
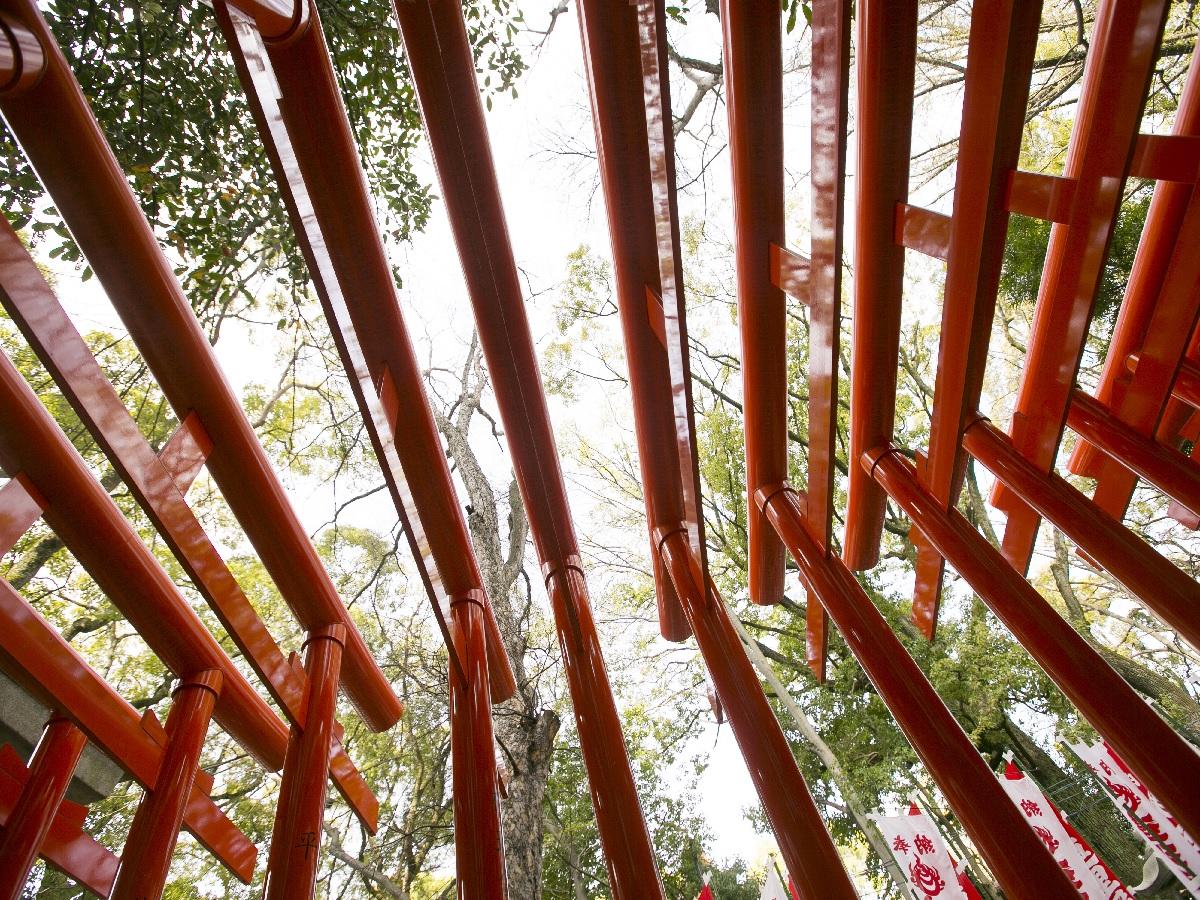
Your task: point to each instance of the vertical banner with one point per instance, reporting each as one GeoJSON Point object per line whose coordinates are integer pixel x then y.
{"type": "Point", "coordinates": [1091, 877]}
{"type": "Point", "coordinates": [918, 848]}
{"type": "Point", "coordinates": [773, 888]}
{"type": "Point", "coordinates": [1169, 842]}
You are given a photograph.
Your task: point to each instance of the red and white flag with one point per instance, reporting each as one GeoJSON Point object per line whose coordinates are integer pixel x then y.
{"type": "Point", "coordinates": [918, 848]}
{"type": "Point", "coordinates": [1169, 842]}
{"type": "Point", "coordinates": [1091, 877]}
{"type": "Point", "coordinates": [705, 893]}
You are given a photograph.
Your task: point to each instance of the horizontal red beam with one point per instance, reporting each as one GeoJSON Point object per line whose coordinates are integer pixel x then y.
{"type": "Point", "coordinates": [158, 483]}
{"type": "Point", "coordinates": [1116, 81]}
{"type": "Point", "coordinates": [1167, 157]}
{"type": "Point", "coordinates": [1146, 573]}
{"type": "Point", "coordinates": [1187, 384]}
{"type": "Point", "coordinates": [20, 508]}
{"type": "Point", "coordinates": [1041, 196]}
{"type": "Point", "coordinates": [923, 230]}
{"type": "Point", "coordinates": [106, 544]}
{"type": "Point", "coordinates": [110, 228]}
{"type": "Point", "coordinates": [790, 272]}
{"type": "Point", "coordinates": [1167, 469]}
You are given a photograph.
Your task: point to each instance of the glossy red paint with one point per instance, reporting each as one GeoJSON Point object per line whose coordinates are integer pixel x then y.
{"type": "Point", "coordinates": [806, 847]}
{"type": "Point", "coordinates": [1000, 53]}
{"type": "Point", "coordinates": [21, 59]}
{"type": "Point", "coordinates": [443, 70]}
{"type": "Point", "coordinates": [612, 53]}
{"type": "Point", "coordinates": [660, 135]}
{"type": "Point", "coordinates": [317, 167]}
{"type": "Point", "coordinates": [20, 508]}
{"type": "Point", "coordinates": [1161, 758]}
{"type": "Point", "coordinates": [36, 656]}
{"type": "Point", "coordinates": [65, 846]}
{"type": "Point", "coordinates": [1016, 855]}
{"type": "Point", "coordinates": [829, 109]}
{"type": "Point", "coordinates": [1148, 575]}
{"type": "Point", "coordinates": [1116, 79]}
{"type": "Point", "coordinates": [1151, 316]}
{"type": "Point", "coordinates": [300, 815]}
{"type": "Point", "coordinates": [886, 53]}
{"type": "Point", "coordinates": [279, 21]}
{"type": "Point", "coordinates": [25, 830]}
{"type": "Point", "coordinates": [478, 834]}
{"type": "Point", "coordinates": [146, 858]}
{"type": "Point", "coordinates": [754, 103]}
{"type": "Point", "coordinates": [32, 305]}
{"type": "Point", "coordinates": [1187, 382]}
{"type": "Point", "coordinates": [105, 543]}
{"type": "Point", "coordinates": [1167, 469]}
{"type": "Point", "coordinates": [112, 231]}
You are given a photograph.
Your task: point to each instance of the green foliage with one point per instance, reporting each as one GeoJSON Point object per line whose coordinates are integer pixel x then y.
{"type": "Point", "coordinates": [166, 95]}
{"type": "Point", "coordinates": [667, 785]}
{"type": "Point", "coordinates": [1025, 255]}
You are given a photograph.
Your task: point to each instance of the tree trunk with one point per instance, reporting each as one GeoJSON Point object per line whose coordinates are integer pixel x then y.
{"type": "Point", "coordinates": [525, 732]}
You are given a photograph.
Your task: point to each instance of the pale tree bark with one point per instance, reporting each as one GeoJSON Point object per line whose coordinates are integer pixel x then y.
{"type": "Point", "coordinates": [525, 730]}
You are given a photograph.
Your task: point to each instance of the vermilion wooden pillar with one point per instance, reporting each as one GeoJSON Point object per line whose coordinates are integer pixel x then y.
{"type": "Point", "coordinates": [146, 859]}
{"type": "Point", "coordinates": [808, 850]}
{"type": "Point", "coordinates": [1165, 762]}
{"type": "Point", "coordinates": [300, 815]}
{"type": "Point", "coordinates": [50, 772]}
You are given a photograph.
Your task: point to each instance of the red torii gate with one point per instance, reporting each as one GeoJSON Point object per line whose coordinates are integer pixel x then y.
{"type": "Point", "coordinates": [1132, 428]}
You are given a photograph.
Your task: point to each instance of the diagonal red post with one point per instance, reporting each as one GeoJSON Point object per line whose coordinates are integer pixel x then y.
{"type": "Point", "coordinates": [1015, 854]}
{"type": "Point", "coordinates": [50, 772]}
{"type": "Point", "coordinates": [300, 815]}
{"type": "Point", "coordinates": [886, 54]}
{"type": "Point", "coordinates": [478, 836]}
{"type": "Point", "coordinates": [1161, 758]}
{"type": "Point", "coordinates": [443, 70]}
{"type": "Point", "coordinates": [808, 850]}
{"type": "Point", "coordinates": [146, 859]}
{"type": "Point", "coordinates": [754, 101]}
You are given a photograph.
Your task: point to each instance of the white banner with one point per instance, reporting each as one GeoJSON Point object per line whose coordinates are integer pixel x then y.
{"type": "Point", "coordinates": [1091, 877]}
{"type": "Point", "coordinates": [1169, 842]}
{"type": "Point", "coordinates": [918, 848]}
{"type": "Point", "coordinates": [773, 888]}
